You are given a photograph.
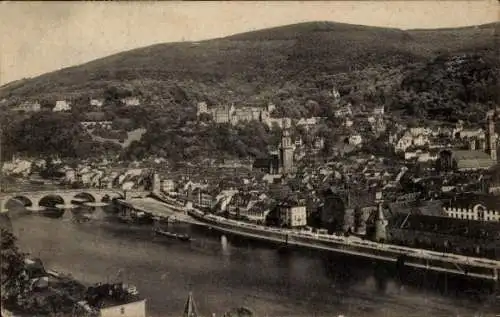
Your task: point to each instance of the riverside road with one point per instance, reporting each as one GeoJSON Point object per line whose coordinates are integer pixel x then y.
{"type": "Point", "coordinates": [295, 283]}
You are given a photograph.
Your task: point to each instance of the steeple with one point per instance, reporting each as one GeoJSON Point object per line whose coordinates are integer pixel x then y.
{"type": "Point", "coordinates": [492, 142]}
{"type": "Point", "coordinates": [286, 150]}
{"type": "Point", "coordinates": [190, 307]}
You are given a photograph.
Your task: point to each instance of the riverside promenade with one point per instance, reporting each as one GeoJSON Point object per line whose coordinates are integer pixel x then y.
{"type": "Point", "coordinates": [159, 209]}
{"type": "Point", "coordinates": [422, 259]}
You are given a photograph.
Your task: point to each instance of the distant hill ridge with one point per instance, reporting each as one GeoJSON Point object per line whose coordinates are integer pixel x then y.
{"type": "Point", "coordinates": [259, 60]}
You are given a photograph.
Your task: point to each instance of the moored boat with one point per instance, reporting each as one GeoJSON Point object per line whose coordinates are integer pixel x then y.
{"type": "Point", "coordinates": [173, 235]}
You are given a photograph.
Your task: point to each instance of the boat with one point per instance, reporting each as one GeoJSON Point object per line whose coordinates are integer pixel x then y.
{"type": "Point", "coordinates": [173, 235]}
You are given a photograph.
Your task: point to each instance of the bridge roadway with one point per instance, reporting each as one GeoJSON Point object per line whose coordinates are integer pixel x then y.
{"type": "Point", "coordinates": [34, 198]}
{"type": "Point", "coordinates": [417, 258]}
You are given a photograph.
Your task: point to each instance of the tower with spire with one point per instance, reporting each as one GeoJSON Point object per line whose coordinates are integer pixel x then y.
{"type": "Point", "coordinates": [286, 148]}
{"type": "Point", "coordinates": [491, 135]}
{"type": "Point", "coordinates": [190, 307]}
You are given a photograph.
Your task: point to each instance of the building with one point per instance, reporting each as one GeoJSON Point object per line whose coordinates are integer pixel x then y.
{"type": "Point", "coordinates": [445, 234]}
{"type": "Point", "coordinates": [292, 215]}
{"type": "Point", "coordinates": [473, 206]}
{"type": "Point", "coordinates": [168, 186]}
{"type": "Point", "coordinates": [269, 165]}
{"type": "Point", "coordinates": [232, 115]}
{"type": "Point", "coordinates": [201, 107]}
{"type": "Point", "coordinates": [347, 209]}
{"type": "Point", "coordinates": [131, 101]}
{"type": "Point", "coordinates": [98, 103]}
{"type": "Point", "coordinates": [355, 139]}
{"type": "Point", "coordinates": [115, 300]}
{"type": "Point", "coordinates": [97, 124]}
{"type": "Point", "coordinates": [62, 105]}
{"type": "Point", "coordinates": [343, 112]}
{"type": "Point", "coordinates": [28, 106]}
{"type": "Point", "coordinates": [379, 111]}
{"type": "Point", "coordinates": [286, 150]}
{"type": "Point", "coordinates": [473, 159]}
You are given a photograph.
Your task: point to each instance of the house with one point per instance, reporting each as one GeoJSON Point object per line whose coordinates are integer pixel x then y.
{"type": "Point", "coordinates": [292, 214]}
{"type": "Point", "coordinates": [62, 105]}
{"type": "Point", "coordinates": [404, 142]}
{"type": "Point", "coordinates": [201, 107]}
{"type": "Point", "coordinates": [420, 130]}
{"type": "Point", "coordinates": [28, 106]}
{"type": "Point", "coordinates": [355, 139]}
{"type": "Point", "coordinates": [168, 186]}
{"type": "Point", "coordinates": [269, 165]}
{"type": "Point", "coordinates": [96, 119]}
{"type": "Point", "coordinates": [98, 103]}
{"type": "Point", "coordinates": [347, 122]}
{"type": "Point", "coordinates": [343, 111]}
{"type": "Point", "coordinates": [379, 111]}
{"type": "Point", "coordinates": [319, 143]}
{"type": "Point", "coordinates": [131, 101]}
{"type": "Point", "coordinates": [346, 209]}
{"type": "Point", "coordinates": [308, 123]}
{"type": "Point", "coordinates": [465, 160]}
{"type": "Point", "coordinates": [116, 300]}
{"type": "Point", "coordinates": [472, 133]}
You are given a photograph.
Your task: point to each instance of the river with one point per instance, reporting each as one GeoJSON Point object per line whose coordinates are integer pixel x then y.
{"type": "Point", "coordinates": [239, 273]}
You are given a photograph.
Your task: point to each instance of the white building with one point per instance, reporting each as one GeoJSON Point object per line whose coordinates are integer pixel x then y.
{"type": "Point", "coordinates": [293, 216]}
{"type": "Point", "coordinates": [478, 212]}
{"type": "Point", "coordinates": [94, 124]}
{"type": "Point", "coordinates": [379, 111]}
{"type": "Point", "coordinates": [131, 101]}
{"type": "Point", "coordinates": [355, 139]}
{"type": "Point", "coordinates": [28, 107]}
{"type": "Point", "coordinates": [98, 103]}
{"type": "Point", "coordinates": [168, 186]}
{"type": "Point", "coordinates": [343, 112]}
{"type": "Point", "coordinates": [62, 105]}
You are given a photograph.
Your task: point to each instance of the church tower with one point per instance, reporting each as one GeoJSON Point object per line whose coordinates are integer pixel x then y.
{"type": "Point", "coordinates": [492, 142]}
{"type": "Point", "coordinates": [286, 149]}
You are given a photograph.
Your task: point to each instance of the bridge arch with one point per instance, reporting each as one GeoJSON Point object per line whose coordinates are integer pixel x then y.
{"type": "Point", "coordinates": [23, 199]}
{"type": "Point", "coordinates": [87, 196]}
{"type": "Point", "coordinates": [51, 200]}
{"type": "Point", "coordinates": [109, 196]}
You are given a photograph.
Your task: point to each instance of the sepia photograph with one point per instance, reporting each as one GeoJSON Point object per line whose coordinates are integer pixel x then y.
{"type": "Point", "coordinates": [250, 158]}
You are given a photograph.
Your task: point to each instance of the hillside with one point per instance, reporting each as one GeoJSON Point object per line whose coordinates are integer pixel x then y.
{"type": "Point", "coordinates": [254, 63]}
{"type": "Point", "coordinates": [448, 74]}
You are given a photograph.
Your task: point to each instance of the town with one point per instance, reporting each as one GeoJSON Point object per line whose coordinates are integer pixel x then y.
{"type": "Point", "coordinates": [317, 168]}
{"type": "Point", "coordinates": [437, 187]}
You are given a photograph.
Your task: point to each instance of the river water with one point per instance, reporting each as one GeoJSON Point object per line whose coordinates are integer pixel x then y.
{"type": "Point", "coordinates": [237, 273]}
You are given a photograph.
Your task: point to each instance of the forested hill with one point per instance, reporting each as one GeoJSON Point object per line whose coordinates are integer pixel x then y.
{"type": "Point", "coordinates": [254, 64]}
{"type": "Point", "coordinates": [447, 74]}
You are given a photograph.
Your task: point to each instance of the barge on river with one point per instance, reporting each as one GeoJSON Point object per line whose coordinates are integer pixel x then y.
{"type": "Point", "coordinates": [403, 256]}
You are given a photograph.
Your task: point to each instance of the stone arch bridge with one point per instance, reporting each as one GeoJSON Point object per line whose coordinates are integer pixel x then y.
{"type": "Point", "coordinates": [33, 198]}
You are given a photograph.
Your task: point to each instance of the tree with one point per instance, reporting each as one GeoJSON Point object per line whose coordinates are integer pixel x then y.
{"type": "Point", "coordinates": [12, 263]}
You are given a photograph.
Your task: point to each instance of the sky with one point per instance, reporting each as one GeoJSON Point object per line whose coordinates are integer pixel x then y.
{"type": "Point", "coordinates": [37, 37]}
